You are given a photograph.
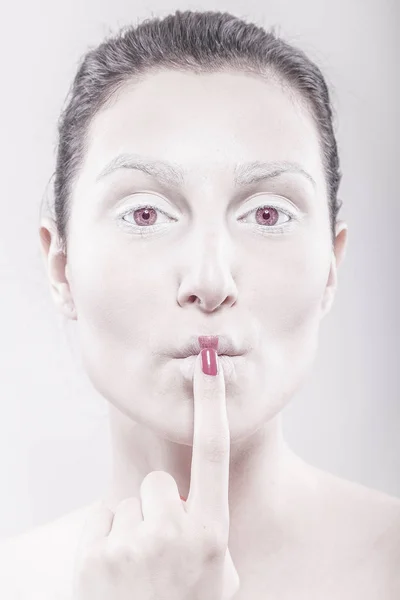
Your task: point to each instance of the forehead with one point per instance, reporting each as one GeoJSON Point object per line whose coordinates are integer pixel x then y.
{"type": "Point", "coordinates": [206, 123]}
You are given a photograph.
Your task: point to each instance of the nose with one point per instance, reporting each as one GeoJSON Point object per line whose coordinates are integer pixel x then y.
{"type": "Point", "coordinates": [207, 278]}
{"type": "Point", "coordinates": [210, 290]}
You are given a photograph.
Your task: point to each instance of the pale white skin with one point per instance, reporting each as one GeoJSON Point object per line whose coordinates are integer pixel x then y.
{"type": "Point", "coordinates": [132, 298]}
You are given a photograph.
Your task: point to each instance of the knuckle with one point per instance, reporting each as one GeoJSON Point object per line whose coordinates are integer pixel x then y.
{"type": "Point", "coordinates": [215, 541]}
{"type": "Point", "coordinates": [117, 554]}
{"type": "Point", "coordinates": [169, 531]}
{"type": "Point", "coordinates": [163, 534]}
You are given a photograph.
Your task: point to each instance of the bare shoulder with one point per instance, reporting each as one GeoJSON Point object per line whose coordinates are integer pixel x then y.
{"type": "Point", "coordinates": [38, 564]}
{"type": "Point", "coordinates": [376, 510]}
{"type": "Point", "coordinates": [365, 523]}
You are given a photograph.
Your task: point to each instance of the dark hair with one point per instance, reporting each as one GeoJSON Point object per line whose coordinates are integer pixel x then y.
{"type": "Point", "coordinates": [200, 42]}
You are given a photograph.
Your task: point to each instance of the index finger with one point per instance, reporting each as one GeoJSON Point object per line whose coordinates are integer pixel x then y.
{"type": "Point", "coordinates": [209, 482]}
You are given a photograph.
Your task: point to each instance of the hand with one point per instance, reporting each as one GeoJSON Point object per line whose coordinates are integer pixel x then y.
{"type": "Point", "coordinates": [177, 551]}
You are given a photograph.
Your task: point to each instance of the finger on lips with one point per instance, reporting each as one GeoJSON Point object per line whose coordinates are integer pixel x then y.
{"type": "Point", "coordinates": [211, 441]}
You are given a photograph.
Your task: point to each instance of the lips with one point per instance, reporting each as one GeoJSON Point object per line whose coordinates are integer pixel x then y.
{"type": "Point", "coordinates": [223, 344]}
{"type": "Point", "coordinates": [208, 341]}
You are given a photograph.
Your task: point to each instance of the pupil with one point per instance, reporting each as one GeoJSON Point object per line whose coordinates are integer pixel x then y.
{"type": "Point", "coordinates": [268, 215]}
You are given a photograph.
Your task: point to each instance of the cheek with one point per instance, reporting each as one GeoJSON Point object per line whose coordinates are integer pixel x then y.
{"type": "Point", "coordinates": [284, 314]}
{"type": "Point", "coordinates": [287, 313]}
{"type": "Point", "coordinates": [288, 296]}
{"type": "Point", "coordinates": [295, 308]}
{"type": "Point", "coordinates": [115, 290]}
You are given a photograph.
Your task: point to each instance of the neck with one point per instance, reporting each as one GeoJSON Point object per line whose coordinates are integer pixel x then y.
{"type": "Point", "coordinates": [268, 483]}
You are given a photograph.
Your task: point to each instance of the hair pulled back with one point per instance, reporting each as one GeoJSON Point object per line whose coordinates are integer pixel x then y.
{"type": "Point", "coordinates": [198, 42]}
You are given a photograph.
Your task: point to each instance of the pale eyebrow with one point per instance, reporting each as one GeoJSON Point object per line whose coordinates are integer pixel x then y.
{"type": "Point", "coordinates": [171, 174]}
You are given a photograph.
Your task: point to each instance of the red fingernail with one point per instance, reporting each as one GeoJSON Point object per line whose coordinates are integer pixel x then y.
{"type": "Point", "coordinates": [209, 361]}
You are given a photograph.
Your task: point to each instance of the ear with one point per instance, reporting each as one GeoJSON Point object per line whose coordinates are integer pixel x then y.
{"type": "Point", "coordinates": [56, 265]}
{"type": "Point", "coordinates": [338, 254]}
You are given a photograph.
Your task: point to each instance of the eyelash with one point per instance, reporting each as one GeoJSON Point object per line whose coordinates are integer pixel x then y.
{"type": "Point", "coordinates": [263, 228]}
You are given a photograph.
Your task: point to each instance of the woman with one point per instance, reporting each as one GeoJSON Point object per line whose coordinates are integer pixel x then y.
{"type": "Point", "coordinates": [196, 195]}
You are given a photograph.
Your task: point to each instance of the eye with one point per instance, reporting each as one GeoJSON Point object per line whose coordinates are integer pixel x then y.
{"type": "Point", "coordinates": [267, 217]}
{"type": "Point", "coordinates": [144, 217]}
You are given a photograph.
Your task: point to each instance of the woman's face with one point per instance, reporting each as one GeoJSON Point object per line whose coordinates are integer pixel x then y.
{"type": "Point", "coordinates": [205, 258]}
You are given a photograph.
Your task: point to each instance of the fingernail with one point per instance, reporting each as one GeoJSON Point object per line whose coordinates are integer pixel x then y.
{"type": "Point", "coordinates": [209, 361]}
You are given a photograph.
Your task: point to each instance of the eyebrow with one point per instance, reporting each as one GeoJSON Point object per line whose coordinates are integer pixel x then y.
{"type": "Point", "coordinates": [171, 174]}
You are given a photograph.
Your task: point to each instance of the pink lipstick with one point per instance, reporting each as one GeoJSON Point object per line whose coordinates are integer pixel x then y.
{"type": "Point", "coordinates": [208, 341]}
